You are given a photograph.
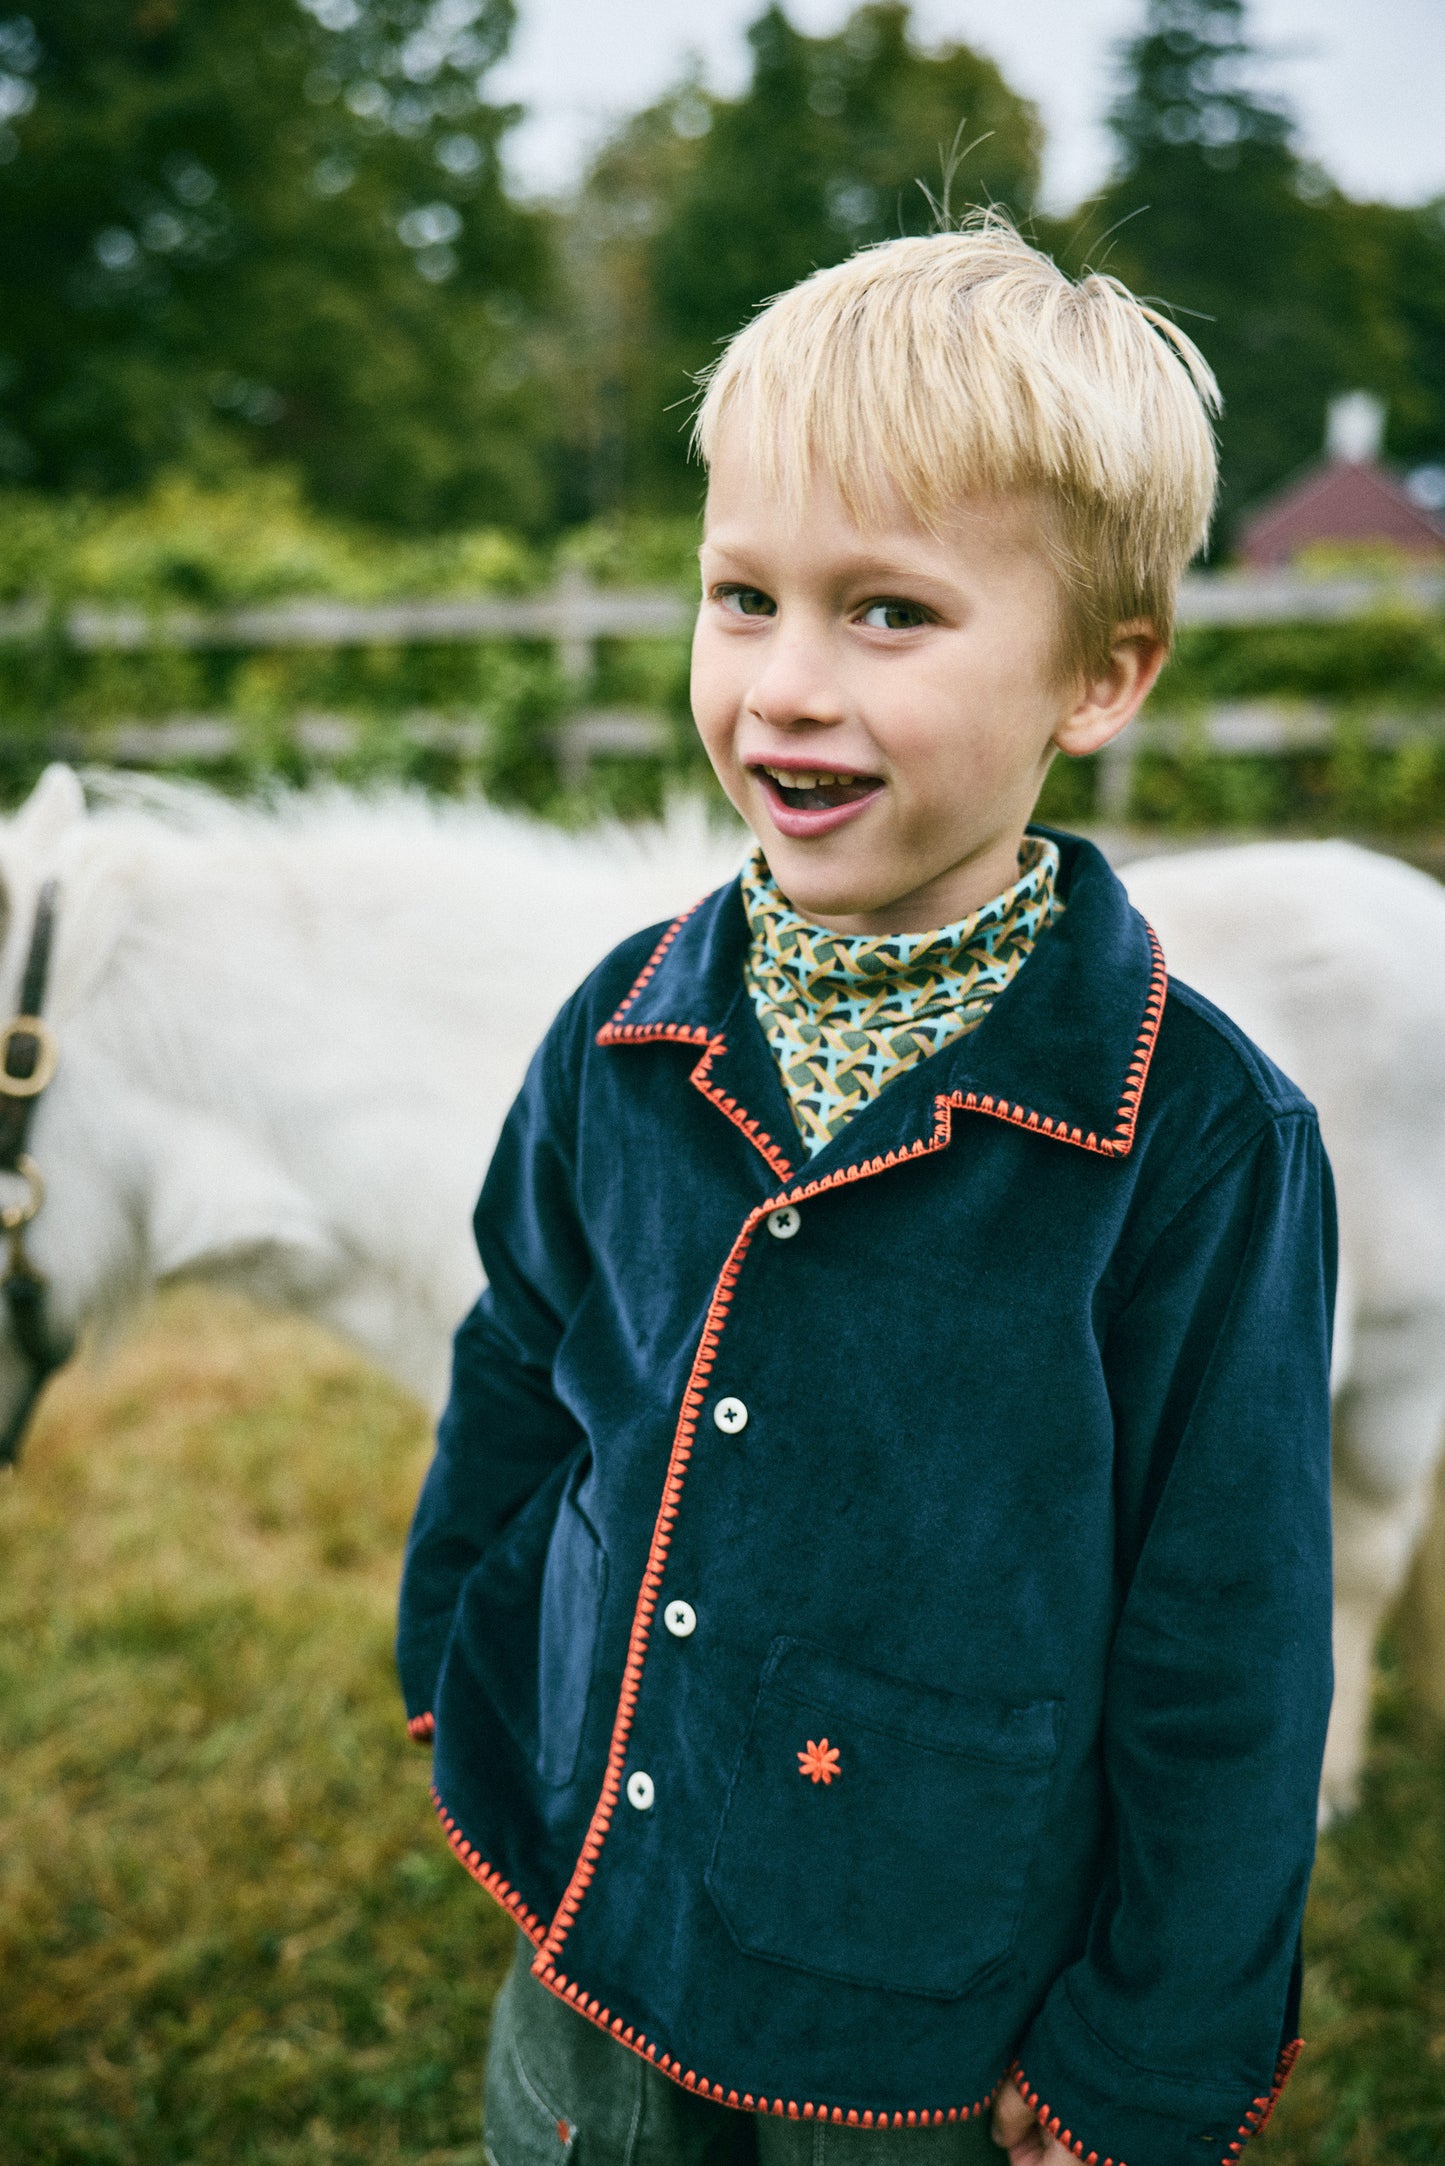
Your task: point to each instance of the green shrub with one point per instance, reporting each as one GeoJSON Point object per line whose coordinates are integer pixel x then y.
{"type": "Point", "coordinates": [252, 541]}
{"type": "Point", "coordinates": [1393, 657]}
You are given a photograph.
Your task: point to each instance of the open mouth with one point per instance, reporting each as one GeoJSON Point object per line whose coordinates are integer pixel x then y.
{"type": "Point", "coordinates": [822, 791]}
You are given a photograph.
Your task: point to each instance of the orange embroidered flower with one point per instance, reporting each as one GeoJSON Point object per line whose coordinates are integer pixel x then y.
{"type": "Point", "coordinates": [820, 1760]}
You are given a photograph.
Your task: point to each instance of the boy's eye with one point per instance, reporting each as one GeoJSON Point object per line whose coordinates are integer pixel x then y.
{"type": "Point", "coordinates": [890, 613]}
{"type": "Point", "coordinates": [746, 601]}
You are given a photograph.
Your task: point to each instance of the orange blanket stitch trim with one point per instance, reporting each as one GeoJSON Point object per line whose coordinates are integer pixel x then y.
{"type": "Point", "coordinates": [738, 1115]}
{"type": "Point", "coordinates": [1050, 2120]}
{"type": "Point", "coordinates": [1117, 1145]}
{"type": "Point", "coordinates": [483, 1874]}
{"type": "Point", "coordinates": [1258, 2117]}
{"type": "Point", "coordinates": [550, 1943]}
{"type": "Point", "coordinates": [545, 1968]}
{"type": "Point", "coordinates": [615, 1033]}
{"type": "Point", "coordinates": [654, 959]}
{"type": "Point", "coordinates": [421, 1729]}
{"type": "Point", "coordinates": [566, 1989]}
{"type": "Point", "coordinates": [1121, 1142]}
{"type": "Point", "coordinates": [1255, 2121]}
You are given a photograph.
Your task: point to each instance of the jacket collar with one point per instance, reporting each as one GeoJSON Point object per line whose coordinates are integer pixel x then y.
{"type": "Point", "coordinates": [1064, 1050]}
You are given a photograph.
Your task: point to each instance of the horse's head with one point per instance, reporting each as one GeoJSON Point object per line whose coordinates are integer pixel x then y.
{"type": "Point", "coordinates": [133, 1165]}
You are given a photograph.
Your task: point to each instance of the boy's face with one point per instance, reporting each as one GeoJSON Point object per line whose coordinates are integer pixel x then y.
{"type": "Point", "coordinates": [881, 705]}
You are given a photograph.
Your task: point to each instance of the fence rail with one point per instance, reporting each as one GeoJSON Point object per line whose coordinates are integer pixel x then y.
{"type": "Point", "coordinates": [571, 617]}
{"type": "Point", "coordinates": [1252, 727]}
{"type": "Point", "coordinates": [212, 740]}
{"type": "Point", "coordinates": [574, 614]}
{"type": "Point", "coordinates": [1294, 598]}
{"type": "Point", "coordinates": [1233, 729]}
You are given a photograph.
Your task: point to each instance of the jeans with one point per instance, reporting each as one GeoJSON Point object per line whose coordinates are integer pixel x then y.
{"type": "Point", "coordinates": [562, 2093]}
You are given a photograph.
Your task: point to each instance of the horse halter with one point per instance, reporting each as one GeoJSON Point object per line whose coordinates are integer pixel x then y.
{"type": "Point", "coordinates": [28, 1060]}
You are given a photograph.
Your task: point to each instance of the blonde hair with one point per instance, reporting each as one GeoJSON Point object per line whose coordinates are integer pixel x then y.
{"type": "Point", "coordinates": [965, 364]}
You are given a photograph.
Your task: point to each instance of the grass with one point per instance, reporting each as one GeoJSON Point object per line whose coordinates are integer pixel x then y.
{"type": "Point", "coordinates": [229, 1929]}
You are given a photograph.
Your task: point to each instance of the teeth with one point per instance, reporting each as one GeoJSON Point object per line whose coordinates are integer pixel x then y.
{"type": "Point", "coordinates": [793, 780]}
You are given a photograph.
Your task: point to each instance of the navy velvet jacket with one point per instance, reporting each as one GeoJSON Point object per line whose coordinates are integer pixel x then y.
{"type": "Point", "coordinates": [874, 1613]}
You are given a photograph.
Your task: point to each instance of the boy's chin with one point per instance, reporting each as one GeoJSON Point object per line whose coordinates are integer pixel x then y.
{"type": "Point", "coordinates": [828, 896]}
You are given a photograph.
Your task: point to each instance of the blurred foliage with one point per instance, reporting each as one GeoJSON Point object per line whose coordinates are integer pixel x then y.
{"type": "Point", "coordinates": [273, 328]}
{"type": "Point", "coordinates": [277, 232]}
{"type": "Point", "coordinates": [241, 229]}
{"type": "Point", "coordinates": [1394, 658]}
{"type": "Point", "coordinates": [1350, 787]}
{"type": "Point", "coordinates": [1388, 665]}
{"type": "Point", "coordinates": [1294, 292]}
{"type": "Point", "coordinates": [254, 541]}
{"type": "Point", "coordinates": [232, 1934]}
{"type": "Point", "coordinates": [248, 539]}
{"type": "Point", "coordinates": [1369, 2090]}
{"type": "Point", "coordinates": [702, 207]}
{"type": "Point", "coordinates": [637, 549]}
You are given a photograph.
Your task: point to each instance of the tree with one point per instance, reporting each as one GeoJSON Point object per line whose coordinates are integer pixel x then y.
{"type": "Point", "coordinates": [256, 228]}
{"type": "Point", "coordinates": [1213, 211]}
{"type": "Point", "coordinates": [702, 207]}
{"type": "Point", "coordinates": [1401, 252]}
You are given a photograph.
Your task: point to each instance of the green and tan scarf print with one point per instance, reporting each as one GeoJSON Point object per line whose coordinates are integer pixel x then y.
{"type": "Point", "coordinates": [845, 1013]}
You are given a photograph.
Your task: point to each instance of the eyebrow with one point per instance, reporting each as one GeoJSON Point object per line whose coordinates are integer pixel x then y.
{"type": "Point", "coordinates": [859, 566]}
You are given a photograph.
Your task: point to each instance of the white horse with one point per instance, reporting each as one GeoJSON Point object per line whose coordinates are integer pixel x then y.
{"type": "Point", "coordinates": [288, 1039]}
{"type": "Point", "coordinates": [1333, 959]}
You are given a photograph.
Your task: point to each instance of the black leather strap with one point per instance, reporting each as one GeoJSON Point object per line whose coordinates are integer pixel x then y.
{"type": "Point", "coordinates": [22, 1050]}
{"type": "Point", "coordinates": [37, 962]}
{"type": "Point", "coordinates": [24, 1291]}
{"type": "Point", "coordinates": [24, 1288]}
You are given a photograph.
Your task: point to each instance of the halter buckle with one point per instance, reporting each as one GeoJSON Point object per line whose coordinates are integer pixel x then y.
{"type": "Point", "coordinates": [47, 1056]}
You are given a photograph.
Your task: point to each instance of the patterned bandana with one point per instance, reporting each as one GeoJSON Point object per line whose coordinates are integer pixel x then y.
{"type": "Point", "coordinates": [845, 1013]}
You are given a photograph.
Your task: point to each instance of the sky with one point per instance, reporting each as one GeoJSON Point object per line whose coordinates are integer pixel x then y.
{"type": "Point", "coordinates": [1365, 78]}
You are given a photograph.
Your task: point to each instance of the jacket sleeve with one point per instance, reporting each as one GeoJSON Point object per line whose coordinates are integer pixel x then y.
{"type": "Point", "coordinates": [502, 1431]}
{"type": "Point", "coordinates": [1167, 2042]}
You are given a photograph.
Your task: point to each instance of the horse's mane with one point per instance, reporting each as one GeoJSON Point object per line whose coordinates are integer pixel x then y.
{"type": "Point", "coordinates": [331, 916]}
{"type": "Point", "coordinates": [121, 796]}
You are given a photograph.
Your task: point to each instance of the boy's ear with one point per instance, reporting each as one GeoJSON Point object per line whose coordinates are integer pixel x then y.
{"type": "Point", "coordinates": [1111, 698]}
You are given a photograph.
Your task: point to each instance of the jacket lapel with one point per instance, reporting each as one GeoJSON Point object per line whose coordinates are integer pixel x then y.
{"type": "Point", "coordinates": [691, 992]}
{"type": "Point", "coordinates": [1064, 1051]}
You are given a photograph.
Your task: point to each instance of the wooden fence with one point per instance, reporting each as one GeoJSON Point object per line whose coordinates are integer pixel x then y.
{"type": "Point", "coordinates": [1275, 728]}
{"type": "Point", "coordinates": [574, 615]}
{"type": "Point", "coordinates": [212, 740]}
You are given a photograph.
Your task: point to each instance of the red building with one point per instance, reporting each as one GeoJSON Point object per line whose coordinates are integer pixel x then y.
{"type": "Point", "coordinates": [1348, 500]}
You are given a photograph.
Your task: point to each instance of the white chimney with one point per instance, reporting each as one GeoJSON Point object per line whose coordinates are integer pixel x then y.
{"type": "Point", "coordinates": [1355, 428]}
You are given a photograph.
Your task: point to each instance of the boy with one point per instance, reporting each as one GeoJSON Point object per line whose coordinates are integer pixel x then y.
{"type": "Point", "coordinates": [871, 1594]}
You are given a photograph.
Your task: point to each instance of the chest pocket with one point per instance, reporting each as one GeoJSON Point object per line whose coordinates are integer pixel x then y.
{"type": "Point", "coordinates": [878, 1831]}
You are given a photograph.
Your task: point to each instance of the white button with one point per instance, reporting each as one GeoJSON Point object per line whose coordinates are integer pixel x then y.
{"type": "Point", "coordinates": [784, 1222]}
{"type": "Point", "coordinates": [640, 1791]}
{"type": "Point", "coordinates": [730, 1416]}
{"type": "Point", "coordinates": [680, 1619]}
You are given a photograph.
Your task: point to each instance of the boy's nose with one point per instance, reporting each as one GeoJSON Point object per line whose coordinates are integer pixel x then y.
{"type": "Point", "coordinates": [796, 685]}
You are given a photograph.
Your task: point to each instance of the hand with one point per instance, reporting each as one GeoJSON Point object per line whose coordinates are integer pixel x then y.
{"type": "Point", "coordinates": [1017, 2131]}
